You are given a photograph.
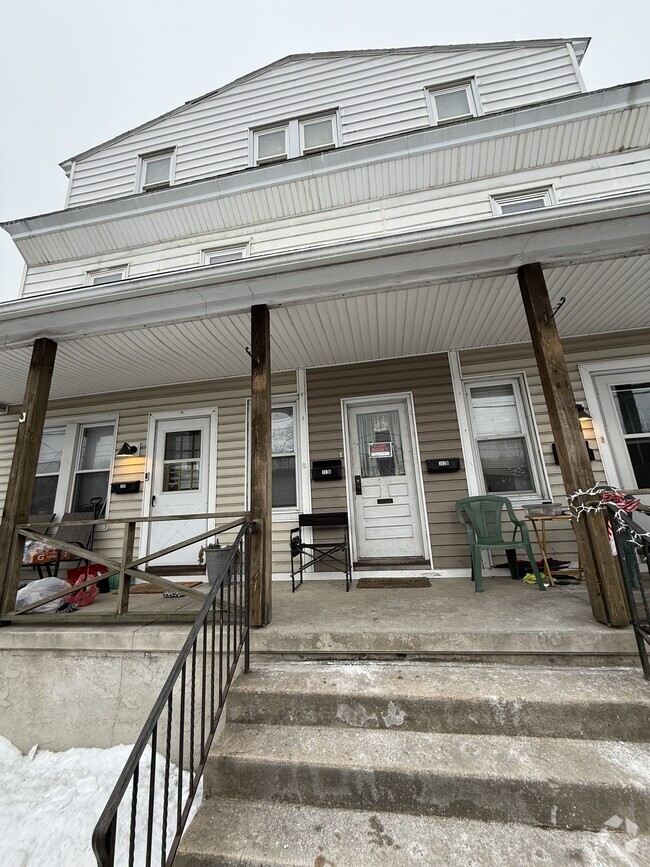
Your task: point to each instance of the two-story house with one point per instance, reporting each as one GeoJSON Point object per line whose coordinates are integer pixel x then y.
{"type": "Point", "coordinates": [382, 204]}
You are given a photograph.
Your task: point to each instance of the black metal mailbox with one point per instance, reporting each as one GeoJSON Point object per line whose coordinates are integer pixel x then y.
{"type": "Point", "coordinates": [126, 487]}
{"type": "Point", "coordinates": [327, 471]}
{"type": "Point", "coordinates": [443, 465]}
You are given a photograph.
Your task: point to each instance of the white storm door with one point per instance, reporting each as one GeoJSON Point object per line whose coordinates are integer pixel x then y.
{"type": "Point", "coordinates": [625, 402]}
{"type": "Point", "coordinates": [384, 485]}
{"type": "Point", "coordinates": [180, 486]}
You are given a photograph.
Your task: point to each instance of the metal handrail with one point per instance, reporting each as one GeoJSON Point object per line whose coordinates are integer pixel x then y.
{"type": "Point", "coordinates": [631, 543]}
{"type": "Point", "coordinates": [208, 661]}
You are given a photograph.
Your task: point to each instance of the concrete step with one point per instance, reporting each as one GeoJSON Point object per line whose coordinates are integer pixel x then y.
{"type": "Point", "coordinates": [601, 704]}
{"type": "Point", "coordinates": [555, 782]}
{"type": "Point", "coordinates": [271, 834]}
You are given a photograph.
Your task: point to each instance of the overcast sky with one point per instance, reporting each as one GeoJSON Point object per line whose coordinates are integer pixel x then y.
{"type": "Point", "coordinates": [74, 73]}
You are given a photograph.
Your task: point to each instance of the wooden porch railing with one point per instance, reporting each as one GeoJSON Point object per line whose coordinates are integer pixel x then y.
{"type": "Point", "coordinates": [127, 567]}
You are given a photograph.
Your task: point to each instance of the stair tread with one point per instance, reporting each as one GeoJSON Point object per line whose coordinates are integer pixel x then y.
{"type": "Point", "coordinates": [561, 760]}
{"type": "Point", "coordinates": [229, 831]}
{"type": "Point", "coordinates": [449, 681]}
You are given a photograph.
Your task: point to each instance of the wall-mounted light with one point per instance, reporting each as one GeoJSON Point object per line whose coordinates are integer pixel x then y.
{"type": "Point", "coordinates": [129, 450]}
{"type": "Point", "coordinates": [583, 414]}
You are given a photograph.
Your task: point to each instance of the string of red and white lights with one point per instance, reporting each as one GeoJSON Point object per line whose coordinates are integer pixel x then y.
{"type": "Point", "coordinates": [624, 505]}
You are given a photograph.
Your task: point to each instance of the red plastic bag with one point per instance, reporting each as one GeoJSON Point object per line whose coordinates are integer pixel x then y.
{"type": "Point", "coordinates": [87, 595]}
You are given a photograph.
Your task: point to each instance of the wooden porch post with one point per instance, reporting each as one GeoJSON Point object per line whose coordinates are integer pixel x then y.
{"type": "Point", "coordinates": [606, 592]}
{"type": "Point", "coordinates": [260, 613]}
{"type": "Point", "coordinates": [23, 467]}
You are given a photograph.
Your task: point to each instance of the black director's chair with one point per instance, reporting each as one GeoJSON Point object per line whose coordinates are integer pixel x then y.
{"type": "Point", "coordinates": [323, 552]}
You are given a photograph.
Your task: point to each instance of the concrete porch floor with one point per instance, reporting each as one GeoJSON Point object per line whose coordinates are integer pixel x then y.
{"type": "Point", "coordinates": [448, 620]}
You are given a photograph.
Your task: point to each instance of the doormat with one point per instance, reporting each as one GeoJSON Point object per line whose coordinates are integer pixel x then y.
{"type": "Point", "coordinates": [152, 588]}
{"type": "Point", "coordinates": [380, 583]}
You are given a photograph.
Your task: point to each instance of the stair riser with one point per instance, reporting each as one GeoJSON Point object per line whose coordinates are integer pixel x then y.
{"type": "Point", "coordinates": [593, 720]}
{"type": "Point", "coordinates": [536, 802]}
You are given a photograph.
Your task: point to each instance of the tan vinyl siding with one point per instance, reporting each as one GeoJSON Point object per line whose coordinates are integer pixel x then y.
{"type": "Point", "coordinates": [227, 396]}
{"type": "Point", "coordinates": [377, 95]}
{"type": "Point", "coordinates": [429, 380]}
{"type": "Point", "coordinates": [520, 359]}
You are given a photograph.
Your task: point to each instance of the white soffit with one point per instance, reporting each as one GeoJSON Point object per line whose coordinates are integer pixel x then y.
{"type": "Point", "coordinates": [601, 297]}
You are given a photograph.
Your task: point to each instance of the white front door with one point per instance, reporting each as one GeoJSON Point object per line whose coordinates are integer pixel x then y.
{"type": "Point", "coordinates": [180, 485]}
{"type": "Point", "coordinates": [384, 484]}
{"type": "Point", "coordinates": [624, 399]}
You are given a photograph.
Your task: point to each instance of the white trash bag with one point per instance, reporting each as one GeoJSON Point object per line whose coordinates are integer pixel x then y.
{"type": "Point", "coordinates": [41, 589]}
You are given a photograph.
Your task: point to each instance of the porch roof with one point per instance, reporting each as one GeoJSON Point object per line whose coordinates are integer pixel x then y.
{"type": "Point", "coordinates": [353, 322]}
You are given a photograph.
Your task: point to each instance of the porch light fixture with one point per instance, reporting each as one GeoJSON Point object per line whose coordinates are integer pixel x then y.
{"type": "Point", "coordinates": [129, 450]}
{"type": "Point", "coordinates": [583, 415]}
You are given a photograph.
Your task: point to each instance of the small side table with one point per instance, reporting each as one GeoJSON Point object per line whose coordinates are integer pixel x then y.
{"type": "Point", "coordinates": [543, 520]}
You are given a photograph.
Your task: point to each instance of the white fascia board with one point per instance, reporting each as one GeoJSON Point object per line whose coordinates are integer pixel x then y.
{"type": "Point", "coordinates": [340, 159]}
{"type": "Point", "coordinates": [591, 231]}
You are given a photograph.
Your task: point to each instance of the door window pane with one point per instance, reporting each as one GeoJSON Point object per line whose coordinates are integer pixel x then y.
{"type": "Point", "coordinates": [633, 406]}
{"type": "Point", "coordinates": [380, 444]}
{"type": "Point", "coordinates": [182, 461]}
{"type": "Point", "coordinates": [506, 467]}
{"type": "Point", "coordinates": [283, 448]}
{"type": "Point", "coordinates": [639, 452]}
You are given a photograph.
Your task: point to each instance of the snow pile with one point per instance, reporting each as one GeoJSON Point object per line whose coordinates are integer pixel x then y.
{"type": "Point", "coordinates": [50, 803]}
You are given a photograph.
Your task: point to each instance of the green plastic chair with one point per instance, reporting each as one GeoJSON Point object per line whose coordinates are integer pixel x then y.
{"type": "Point", "coordinates": [482, 519]}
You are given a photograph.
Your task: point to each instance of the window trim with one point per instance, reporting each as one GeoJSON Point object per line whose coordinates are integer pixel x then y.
{"type": "Point", "coordinates": [140, 186]}
{"type": "Point", "coordinates": [74, 428]}
{"type": "Point", "coordinates": [230, 248]}
{"type": "Point", "coordinates": [473, 98]}
{"type": "Point", "coordinates": [122, 270]}
{"type": "Point", "coordinates": [547, 193]}
{"type": "Point", "coordinates": [529, 432]}
{"type": "Point", "coordinates": [294, 137]}
{"type": "Point", "coordinates": [301, 445]}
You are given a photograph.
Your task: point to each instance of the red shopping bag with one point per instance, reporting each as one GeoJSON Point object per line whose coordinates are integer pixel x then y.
{"type": "Point", "coordinates": [87, 595]}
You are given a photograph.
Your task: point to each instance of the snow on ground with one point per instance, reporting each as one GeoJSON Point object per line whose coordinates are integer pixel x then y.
{"type": "Point", "coordinates": [50, 803]}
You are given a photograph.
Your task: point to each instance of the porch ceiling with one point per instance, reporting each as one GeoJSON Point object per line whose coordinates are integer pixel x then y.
{"type": "Point", "coordinates": [611, 295]}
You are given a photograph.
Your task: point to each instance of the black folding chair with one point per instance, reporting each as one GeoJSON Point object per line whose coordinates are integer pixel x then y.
{"type": "Point", "coordinates": [324, 552]}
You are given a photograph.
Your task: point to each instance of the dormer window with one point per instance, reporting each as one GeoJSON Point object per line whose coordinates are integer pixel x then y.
{"type": "Point", "coordinates": [107, 275]}
{"type": "Point", "coordinates": [156, 171]}
{"type": "Point", "coordinates": [452, 102]}
{"type": "Point", "coordinates": [524, 200]}
{"type": "Point", "coordinates": [294, 138]}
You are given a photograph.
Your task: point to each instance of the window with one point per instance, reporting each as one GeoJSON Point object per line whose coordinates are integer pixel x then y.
{"type": "Point", "coordinates": [503, 438]}
{"type": "Point", "coordinates": [286, 494]}
{"type": "Point", "coordinates": [74, 466]}
{"type": "Point", "coordinates": [632, 402]}
{"type": "Point", "coordinates": [224, 255]}
{"type": "Point", "coordinates": [156, 171]}
{"type": "Point", "coordinates": [182, 461]}
{"type": "Point", "coordinates": [526, 200]}
{"type": "Point", "coordinates": [283, 450]}
{"type": "Point", "coordinates": [109, 275]}
{"type": "Point", "coordinates": [47, 472]}
{"type": "Point", "coordinates": [452, 102]}
{"type": "Point", "coordinates": [294, 138]}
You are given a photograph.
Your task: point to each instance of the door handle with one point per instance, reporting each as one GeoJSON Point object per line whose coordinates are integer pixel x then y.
{"type": "Point", "coordinates": [357, 485]}
{"type": "Point", "coordinates": [153, 500]}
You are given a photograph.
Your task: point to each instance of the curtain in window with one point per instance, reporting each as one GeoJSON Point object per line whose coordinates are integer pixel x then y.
{"type": "Point", "coordinates": [380, 427]}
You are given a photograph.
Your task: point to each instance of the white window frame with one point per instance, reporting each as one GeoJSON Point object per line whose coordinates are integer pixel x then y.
{"type": "Point", "coordinates": [294, 137]}
{"type": "Point", "coordinates": [244, 249]}
{"type": "Point", "coordinates": [473, 99]}
{"type": "Point", "coordinates": [528, 431]}
{"type": "Point", "coordinates": [91, 276]}
{"type": "Point", "coordinates": [303, 481]}
{"type": "Point", "coordinates": [497, 200]}
{"type": "Point", "coordinates": [142, 167]}
{"type": "Point", "coordinates": [70, 457]}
